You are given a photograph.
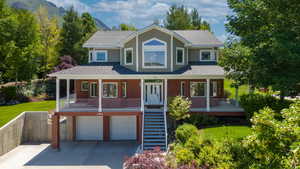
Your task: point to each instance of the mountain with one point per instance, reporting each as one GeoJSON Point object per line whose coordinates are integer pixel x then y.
{"type": "Point", "coordinates": [53, 10]}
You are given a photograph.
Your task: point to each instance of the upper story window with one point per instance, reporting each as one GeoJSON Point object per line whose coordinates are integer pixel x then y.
{"type": "Point", "coordinates": [128, 56]}
{"type": "Point", "coordinates": [101, 56]}
{"type": "Point", "coordinates": [154, 54]}
{"type": "Point", "coordinates": [179, 56]}
{"type": "Point", "coordinates": [207, 55]}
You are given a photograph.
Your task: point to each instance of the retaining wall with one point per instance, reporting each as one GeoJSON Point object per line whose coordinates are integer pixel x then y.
{"type": "Point", "coordinates": [27, 127]}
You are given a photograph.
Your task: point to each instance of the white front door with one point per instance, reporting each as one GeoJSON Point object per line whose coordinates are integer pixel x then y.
{"type": "Point", "coordinates": [123, 128]}
{"type": "Point", "coordinates": [153, 93]}
{"type": "Point", "coordinates": [89, 128]}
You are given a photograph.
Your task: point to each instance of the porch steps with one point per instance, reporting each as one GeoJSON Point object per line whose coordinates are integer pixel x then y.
{"type": "Point", "coordinates": [154, 130]}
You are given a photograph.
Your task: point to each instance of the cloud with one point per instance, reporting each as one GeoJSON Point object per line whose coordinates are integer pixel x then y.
{"type": "Point", "coordinates": [78, 6]}
{"type": "Point", "coordinates": [143, 12]}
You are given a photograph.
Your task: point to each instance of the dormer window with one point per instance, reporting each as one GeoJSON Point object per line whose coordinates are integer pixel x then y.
{"type": "Point", "coordinates": [154, 54]}
{"type": "Point", "coordinates": [101, 56]}
{"type": "Point", "coordinates": [207, 55]}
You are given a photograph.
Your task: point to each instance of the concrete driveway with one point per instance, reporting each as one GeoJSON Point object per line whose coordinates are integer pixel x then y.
{"type": "Point", "coordinates": [73, 155]}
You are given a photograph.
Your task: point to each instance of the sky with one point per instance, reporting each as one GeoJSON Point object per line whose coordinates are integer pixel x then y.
{"type": "Point", "coordinates": [142, 13]}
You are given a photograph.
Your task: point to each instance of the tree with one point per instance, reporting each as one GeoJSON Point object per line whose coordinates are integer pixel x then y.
{"type": "Point", "coordinates": [271, 29]}
{"type": "Point", "coordinates": [179, 108]}
{"type": "Point", "coordinates": [88, 24]}
{"type": "Point", "coordinates": [71, 34]}
{"type": "Point", "coordinates": [127, 27]}
{"type": "Point", "coordinates": [178, 18]}
{"type": "Point", "coordinates": [49, 38]}
{"type": "Point", "coordinates": [23, 48]}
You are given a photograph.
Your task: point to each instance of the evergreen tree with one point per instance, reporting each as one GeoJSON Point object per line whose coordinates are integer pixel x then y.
{"type": "Point", "coordinates": [88, 25]}
{"type": "Point", "coordinates": [127, 27]}
{"type": "Point", "coordinates": [178, 18]}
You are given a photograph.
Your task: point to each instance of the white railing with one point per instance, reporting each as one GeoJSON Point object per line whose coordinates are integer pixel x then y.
{"type": "Point", "coordinates": [166, 132]}
{"type": "Point", "coordinates": [143, 112]}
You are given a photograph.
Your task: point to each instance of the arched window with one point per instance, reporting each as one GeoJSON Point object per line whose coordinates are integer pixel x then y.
{"type": "Point", "coordinates": [154, 53]}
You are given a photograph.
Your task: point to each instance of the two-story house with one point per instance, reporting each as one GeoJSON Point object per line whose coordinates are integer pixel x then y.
{"type": "Point", "coordinates": [123, 91]}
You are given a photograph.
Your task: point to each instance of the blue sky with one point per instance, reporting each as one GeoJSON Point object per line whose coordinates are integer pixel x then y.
{"type": "Point", "coordinates": [141, 13]}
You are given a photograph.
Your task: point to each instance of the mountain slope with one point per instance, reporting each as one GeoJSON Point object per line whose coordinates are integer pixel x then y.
{"type": "Point", "coordinates": [53, 10]}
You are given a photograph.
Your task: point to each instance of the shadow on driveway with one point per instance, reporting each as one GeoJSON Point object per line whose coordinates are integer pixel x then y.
{"type": "Point", "coordinates": [108, 154]}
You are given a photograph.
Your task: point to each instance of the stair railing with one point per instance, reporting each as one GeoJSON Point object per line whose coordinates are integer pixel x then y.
{"type": "Point", "coordinates": [166, 132]}
{"type": "Point", "coordinates": [143, 112]}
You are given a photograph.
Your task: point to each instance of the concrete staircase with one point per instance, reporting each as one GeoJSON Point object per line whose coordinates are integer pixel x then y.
{"type": "Point", "coordinates": [154, 130]}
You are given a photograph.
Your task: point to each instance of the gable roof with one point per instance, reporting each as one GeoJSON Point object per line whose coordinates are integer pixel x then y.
{"type": "Point", "coordinates": [116, 39]}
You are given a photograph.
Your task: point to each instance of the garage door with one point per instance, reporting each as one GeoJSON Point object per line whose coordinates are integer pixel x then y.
{"type": "Point", "coordinates": [89, 128]}
{"type": "Point", "coordinates": [123, 128]}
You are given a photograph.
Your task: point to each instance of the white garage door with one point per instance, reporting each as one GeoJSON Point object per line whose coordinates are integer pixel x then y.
{"type": "Point", "coordinates": [89, 128]}
{"type": "Point", "coordinates": [123, 128]}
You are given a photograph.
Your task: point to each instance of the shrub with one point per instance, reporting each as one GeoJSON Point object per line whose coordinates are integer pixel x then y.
{"type": "Point", "coordinates": [9, 93]}
{"type": "Point", "coordinates": [147, 160]}
{"type": "Point", "coordinates": [183, 155]}
{"type": "Point", "coordinates": [179, 108]}
{"type": "Point", "coordinates": [200, 120]}
{"type": "Point", "coordinates": [184, 132]}
{"type": "Point", "coordinates": [254, 102]}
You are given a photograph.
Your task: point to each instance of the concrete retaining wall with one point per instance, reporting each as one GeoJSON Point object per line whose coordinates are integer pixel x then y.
{"type": "Point", "coordinates": [27, 127]}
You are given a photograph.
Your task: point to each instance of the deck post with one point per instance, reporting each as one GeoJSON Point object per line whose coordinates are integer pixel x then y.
{"type": "Point", "coordinates": [57, 94]}
{"type": "Point", "coordinates": [142, 95]}
{"type": "Point", "coordinates": [208, 95]}
{"type": "Point", "coordinates": [100, 95]}
{"type": "Point", "coordinates": [166, 95]}
{"type": "Point", "coordinates": [68, 92]}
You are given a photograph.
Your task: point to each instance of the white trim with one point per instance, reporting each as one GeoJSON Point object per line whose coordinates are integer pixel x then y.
{"type": "Point", "coordinates": [187, 55]}
{"type": "Point", "coordinates": [115, 83]}
{"type": "Point", "coordinates": [91, 54]}
{"type": "Point", "coordinates": [137, 51]}
{"type": "Point", "coordinates": [165, 95]}
{"type": "Point", "coordinates": [154, 48]}
{"type": "Point", "coordinates": [57, 94]}
{"type": "Point", "coordinates": [95, 53]}
{"type": "Point", "coordinates": [91, 90]}
{"type": "Point", "coordinates": [84, 90]}
{"type": "Point", "coordinates": [125, 57]}
{"type": "Point", "coordinates": [205, 92]}
{"type": "Point", "coordinates": [142, 94]}
{"type": "Point", "coordinates": [172, 51]}
{"type": "Point", "coordinates": [195, 46]}
{"type": "Point", "coordinates": [100, 95]}
{"type": "Point", "coordinates": [183, 57]}
{"type": "Point", "coordinates": [211, 51]}
{"type": "Point", "coordinates": [151, 27]}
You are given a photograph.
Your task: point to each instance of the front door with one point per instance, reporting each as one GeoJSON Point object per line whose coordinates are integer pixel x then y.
{"type": "Point", "coordinates": [153, 93]}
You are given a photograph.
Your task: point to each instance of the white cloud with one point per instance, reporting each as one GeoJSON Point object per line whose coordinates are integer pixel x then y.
{"type": "Point", "coordinates": [78, 6]}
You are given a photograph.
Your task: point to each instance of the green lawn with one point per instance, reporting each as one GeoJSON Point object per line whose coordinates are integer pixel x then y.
{"type": "Point", "coordinates": [220, 133]}
{"type": "Point", "coordinates": [7, 113]}
{"type": "Point", "coordinates": [242, 89]}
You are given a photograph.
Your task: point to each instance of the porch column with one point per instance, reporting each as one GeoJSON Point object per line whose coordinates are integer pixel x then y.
{"type": "Point", "coordinates": [142, 95]}
{"type": "Point", "coordinates": [55, 132]}
{"type": "Point", "coordinates": [166, 95]}
{"type": "Point", "coordinates": [207, 94]}
{"type": "Point", "coordinates": [100, 95]}
{"type": "Point", "coordinates": [68, 92]}
{"type": "Point", "coordinates": [57, 94]}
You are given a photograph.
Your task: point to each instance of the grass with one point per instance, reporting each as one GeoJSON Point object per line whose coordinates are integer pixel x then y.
{"type": "Point", "coordinates": [7, 113]}
{"type": "Point", "coordinates": [220, 133]}
{"type": "Point", "coordinates": [231, 91]}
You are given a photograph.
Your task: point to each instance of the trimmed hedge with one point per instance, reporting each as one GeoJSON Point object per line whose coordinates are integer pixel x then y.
{"type": "Point", "coordinates": [184, 132]}
{"type": "Point", "coordinates": [254, 102]}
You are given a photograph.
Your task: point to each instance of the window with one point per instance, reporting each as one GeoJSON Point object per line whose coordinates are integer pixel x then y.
{"type": "Point", "coordinates": [213, 88]}
{"type": "Point", "coordinates": [124, 89]}
{"type": "Point", "coordinates": [182, 88]}
{"type": "Point", "coordinates": [91, 56]}
{"type": "Point", "coordinates": [198, 89]}
{"type": "Point", "coordinates": [110, 90]}
{"type": "Point", "coordinates": [207, 55]}
{"type": "Point", "coordinates": [179, 56]}
{"type": "Point", "coordinates": [93, 89]}
{"type": "Point", "coordinates": [101, 56]}
{"type": "Point", "coordinates": [128, 56]}
{"type": "Point", "coordinates": [84, 86]}
{"type": "Point", "coordinates": [154, 54]}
